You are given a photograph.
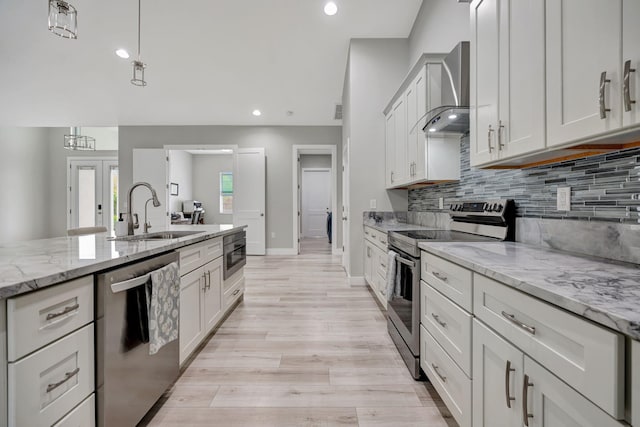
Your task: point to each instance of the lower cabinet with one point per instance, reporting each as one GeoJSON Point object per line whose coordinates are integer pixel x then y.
{"type": "Point", "coordinates": [84, 415]}
{"type": "Point", "coordinates": [635, 383]}
{"type": "Point", "coordinates": [375, 263]}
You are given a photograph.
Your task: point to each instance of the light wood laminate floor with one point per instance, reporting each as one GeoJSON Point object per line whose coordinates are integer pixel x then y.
{"type": "Point", "coordinates": [305, 348]}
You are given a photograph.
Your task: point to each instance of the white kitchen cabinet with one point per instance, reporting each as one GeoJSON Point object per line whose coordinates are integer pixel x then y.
{"type": "Point", "coordinates": [401, 169]}
{"type": "Point", "coordinates": [212, 294]}
{"type": "Point", "coordinates": [416, 98]}
{"type": "Point", "coordinates": [634, 377]}
{"type": "Point", "coordinates": [390, 147]}
{"type": "Point", "coordinates": [498, 369]}
{"type": "Point", "coordinates": [375, 262]}
{"type": "Point", "coordinates": [3, 364]}
{"type": "Point", "coordinates": [507, 115]}
{"type": "Point", "coordinates": [631, 54]}
{"type": "Point", "coordinates": [192, 328]}
{"type": "Point", "coordinates": [584, 42]}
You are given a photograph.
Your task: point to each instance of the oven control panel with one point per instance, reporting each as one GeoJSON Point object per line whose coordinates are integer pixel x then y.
{"type": "Point", "coordinates": [495, 207]}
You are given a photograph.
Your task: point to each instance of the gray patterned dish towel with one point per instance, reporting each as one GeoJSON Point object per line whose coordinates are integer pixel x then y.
{"type": "Point", "coordinates": [163, 300]}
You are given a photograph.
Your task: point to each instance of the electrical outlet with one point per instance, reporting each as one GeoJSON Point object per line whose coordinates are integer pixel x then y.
{"type": "Point", "coordinates": [373, 203]}
{"type": "Point", "coordinates": [441, 203]}
{"type": "Point", "coordinates": [564, 198]}
{"type": "Point", "coordinates": [273, 234]}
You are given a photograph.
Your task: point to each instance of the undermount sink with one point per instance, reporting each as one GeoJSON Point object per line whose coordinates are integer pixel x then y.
{"type": "Point", "coordinates": [160, 235]}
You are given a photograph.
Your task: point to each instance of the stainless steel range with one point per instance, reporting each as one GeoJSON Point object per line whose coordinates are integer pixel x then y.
{"type": "Point", "coordinates": [485, 220]}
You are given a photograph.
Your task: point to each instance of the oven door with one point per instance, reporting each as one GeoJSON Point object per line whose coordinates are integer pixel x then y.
{"type": "Point", "coordinates": [235, 257]}
{"type": "Point", "coordinates": [404, 306]}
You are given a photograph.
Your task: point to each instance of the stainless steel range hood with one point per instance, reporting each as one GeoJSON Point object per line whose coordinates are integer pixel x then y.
{"type": "Point", "coordinates": [452, 117]}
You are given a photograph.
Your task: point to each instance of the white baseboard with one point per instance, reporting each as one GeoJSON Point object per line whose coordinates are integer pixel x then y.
{"type": "Point", "coordinates": [357, 281]}
{"type": "Point", "coordinates": [337, 251]}
{"type": "Point", "coordinates": [281, 251]}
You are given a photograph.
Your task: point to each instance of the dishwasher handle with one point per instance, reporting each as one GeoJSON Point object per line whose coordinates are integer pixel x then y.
{"type": "Point", "coordinates": [129, 284]}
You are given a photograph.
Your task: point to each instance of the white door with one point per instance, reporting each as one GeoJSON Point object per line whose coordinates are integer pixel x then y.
{"type": "Point", "coordinates": [93, 196]}
{"type": "Point", "coordinates": [249, 197]}
{"type": "Point", "coordinates": [151, 166]}
{"type": "Point", "coordinates": [584, 40]}
{"type": "Point", "coordinates": [346, 263]}
{"type": "Point", "coordinates": [316, 201]}
{"type": "Point", "coordinates": [631, 54]}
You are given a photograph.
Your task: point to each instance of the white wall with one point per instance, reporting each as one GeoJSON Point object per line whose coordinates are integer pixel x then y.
{"type": "Point", "coordinates": [439, 26]}
{"type": "Point", "coordinates": [181, 173]}
{"type": "Point", "coordinates": [315, 161]}
{"type": "Point", "coordinates": [376, 69]}
{"type": "Point", "coordinates": [276, 140]}
{"type": "Point", "coordinates": [206, 185]}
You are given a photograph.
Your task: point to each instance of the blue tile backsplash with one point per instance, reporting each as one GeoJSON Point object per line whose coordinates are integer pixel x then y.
{"type": "Point", "coordinates": [603, 188]}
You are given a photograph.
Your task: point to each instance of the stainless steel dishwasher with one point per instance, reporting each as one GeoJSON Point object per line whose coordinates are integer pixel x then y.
{"type": "Point", "coordinates": [128, 380]}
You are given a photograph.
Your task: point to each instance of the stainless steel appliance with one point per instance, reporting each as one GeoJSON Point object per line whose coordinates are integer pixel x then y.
{"type": "Point", "coordinates": [128, 380]}
{"type": "Point", "coordinates": [472, 221]}
{"type": "Point", "coordinates": [235, 252]}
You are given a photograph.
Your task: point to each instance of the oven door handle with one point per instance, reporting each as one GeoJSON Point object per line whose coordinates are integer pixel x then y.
{"type": "Point", "coordinates": [404, 261]}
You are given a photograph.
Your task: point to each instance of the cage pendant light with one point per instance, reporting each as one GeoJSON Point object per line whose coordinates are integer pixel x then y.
{"type": "Point", "coordinates": [63, 19]}
{"type": "Point", "coordinates": [138, 65]}
{"type": "Point", "coordinates": [76, 141]}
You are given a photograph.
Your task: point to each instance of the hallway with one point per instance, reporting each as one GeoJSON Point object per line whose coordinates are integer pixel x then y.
{"type": "Point", "coordinates": [304, 349]}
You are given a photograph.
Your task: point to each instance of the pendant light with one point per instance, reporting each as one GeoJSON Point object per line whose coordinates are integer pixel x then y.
{"type": "Point", "coordinates": [138, 65]}
{"type": "Point", "coordinates": [63, 19]}
{"type": "Point", "coordinates": [76, 141]}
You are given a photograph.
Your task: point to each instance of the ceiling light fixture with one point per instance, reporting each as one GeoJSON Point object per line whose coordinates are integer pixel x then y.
{"type": "Point", "coordinates": [138, 65]}
{"type": "Point", "coordinates": [63, 19]}
{"type": "Point", "coordinates": [122, 53]}
{"type": "Point", "coordinates": [330, 8]}
{"type": "Point", "coordinates": [453, 116]}
{"type": "Point", "coordinates": [257, 113]}
{"type": "Point", "coordinates": [76, 141]}
{"type": "Point", "coordinates": [432, 129]}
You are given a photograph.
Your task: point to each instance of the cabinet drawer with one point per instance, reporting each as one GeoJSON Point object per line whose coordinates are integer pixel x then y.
{"type": "Point", "coordinates": [588, 357]}
{"type": "Point", "coordinates": [382, 260]}
{"type": "Point", "coordinates": [212, 249]}
{"type": "Point", "coordinates": [382, 239]}
{"type": "Point", "coordinates": [49, 383]}
{"type": "Point", "coordinates": [191, 257]}
{"type": "Point", "coordinates": [448, 324]}
{"type": "Point", "coordinates": [447, 378]}
{"type": "Point", "coordinates": [453, 281]}
{"type": "Point", "coordinates": [39, 318]}
{"type": "Point", "coordinates": [233, 293]}
{"type": "Point", "coordinates": [84, 415]}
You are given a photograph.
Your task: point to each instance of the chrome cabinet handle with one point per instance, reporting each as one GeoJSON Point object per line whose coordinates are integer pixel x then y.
{"type": "Point", "coordinates": [391, 176]}
{"type": "Point", "coordinates": [491, 130]}
{"type": "Point", "coordinates": [209, 281]}
{"type": "Point", "coordinates": [437, 319]}
{"type": "Point", "coordinates": [66, 310]}
{"type": "Point", "coordinates": [236, 292]}
{"type": "Point", "coordinates": [500, 132]}
{"type": "Point", "coordinates": [436, 369]}
{"type": "Point", "coordinates": [525, 397]}
{"type": "Point", "coordinates": [603, 82]}
{"type": "Point", "coordinates": [440, 276]}
{"type": "Point", "coordinates": [627, 91]}
{"type": "Point", "coordinates": [512, 318]}
{"type": "Point", "coordinates": [204, 277]}
{"type": "Point", "coordinates": [66, 378]}
{"type": "Point", "coordinates": [507, 372]}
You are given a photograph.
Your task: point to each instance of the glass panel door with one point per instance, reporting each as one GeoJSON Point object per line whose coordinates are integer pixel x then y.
{"type": "Point", "coordinates": [93, 193]}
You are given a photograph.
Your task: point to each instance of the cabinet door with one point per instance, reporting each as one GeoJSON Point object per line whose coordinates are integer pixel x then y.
{"type": "Point", "coordinates": [552, 403]}
{"type": "Point", "coordinates": [412, 135]}
{"type": "Point", "coordinates": [191, 306]}
{"type": "Point", "coordinates": [212, 295]}
{"type": "Point", "coordinates": [584, 39]}
{"type": "Point", "coordinates": [484, 84]}
{"type": "Point", "coordinates": [390, 146]}
{"type": "Point", "coordinates": [368, 261]}
{"type": "Point", "coordinates": [497, 379]}
{"type": "Point", "coordinates": [423, 91]}
{"type": "Point", "coordinates": [400, 175]}
{"type": "Point", "coordinates": [631, 53]}
{"type": "Point", "coordinates": [521, 125]}
{"type": "Point", "coordinates": [635, 383]}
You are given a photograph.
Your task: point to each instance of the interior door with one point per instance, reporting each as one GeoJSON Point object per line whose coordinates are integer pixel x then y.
{"type": "Point", "coordinates": [249, 197]}
{"type": "Point", "coordinates": [93, 193]}
{"type": "Point", "coordinates": [346, 262]}
{"type": "Point", "coordinates": [151, 166]}
{"type": "Point", "coordinates": [316, 201]}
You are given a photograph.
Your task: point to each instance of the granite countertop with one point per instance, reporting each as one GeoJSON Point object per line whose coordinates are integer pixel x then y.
{"type": "Point", "coordinates": [400, 226]}
{"type": "Point", "coordinates": [35, 264]}
{"type": "Point", "coordinates": [605, 292]}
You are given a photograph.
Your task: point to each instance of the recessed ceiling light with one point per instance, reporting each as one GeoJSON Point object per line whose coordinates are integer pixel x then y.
{"type": "Point", "coordinates": [257, 113]}
{"type": "Point", "coordinates": [122, 53]}
{"type": "Point", "coordinates": [330, 8]}
{"type": "Point", "coordinates": [432, 129]}
{"type": "Point", "coordinates": [453, 116]}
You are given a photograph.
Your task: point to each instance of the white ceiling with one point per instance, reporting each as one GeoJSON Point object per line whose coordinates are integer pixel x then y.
{"type": "Point", "coordinates": [209, 61]}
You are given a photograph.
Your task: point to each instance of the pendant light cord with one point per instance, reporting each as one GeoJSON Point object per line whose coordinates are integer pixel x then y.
{"type": "Point", "coordinates": [139, 9]}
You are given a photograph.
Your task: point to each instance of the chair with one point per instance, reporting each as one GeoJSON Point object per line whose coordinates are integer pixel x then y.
{"type": "Point", "coordinates": [85, 230]}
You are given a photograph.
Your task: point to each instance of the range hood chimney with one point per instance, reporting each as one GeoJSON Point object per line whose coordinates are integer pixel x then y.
{"type": "Point", "coordinates": [452, 117]}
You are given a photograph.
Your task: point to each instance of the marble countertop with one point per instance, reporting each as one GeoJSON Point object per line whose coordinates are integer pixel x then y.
{"type": "Point", "coordinates": [400, 226]}
{"type": "Point", "coordinates": [35, 264]}
{"type": "Point", "coordinates": [603, 291]}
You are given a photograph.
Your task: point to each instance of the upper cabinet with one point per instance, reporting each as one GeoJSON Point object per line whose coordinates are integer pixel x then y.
{"type": "Point", "coordinates": [507, 116]}
{"type": "Point", "coordinates": [551, 77]}
{"type": "Point", "coordinates": [411, 157]}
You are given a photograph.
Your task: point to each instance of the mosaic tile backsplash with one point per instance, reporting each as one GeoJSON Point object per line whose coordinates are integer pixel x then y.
{"type": "Point", "coordinates": [603, 188]}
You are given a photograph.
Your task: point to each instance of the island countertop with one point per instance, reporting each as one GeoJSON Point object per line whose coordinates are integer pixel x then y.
{"type": "Point", "coordinates": [606, 292]}
{"type": "Point", "coordinates": [30, 265]}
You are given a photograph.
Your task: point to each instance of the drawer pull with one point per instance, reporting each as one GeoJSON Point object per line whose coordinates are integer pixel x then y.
{"type": "Point", "coordinates": [236, 292]}
{"type": "Point", "coordinates": [437, 371]}
{"type": "Point", "coordinates": [440, 276]}
{"type": "Point", "coordinates": [67, 377]}
{"type": "Point", "coordinates": [440, 322]}
{"type": "Point", "coordinates": [511, 318]}
{"type": "Point", "coordinates": [507, 373]}
{"type": "Point", "coordinates": [525, 397]}
{"type": "Point", "coordinates": [66, 310]}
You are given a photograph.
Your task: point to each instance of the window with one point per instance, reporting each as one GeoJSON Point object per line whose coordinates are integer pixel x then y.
{"type": "Point", "coordinates": [226, 192]}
